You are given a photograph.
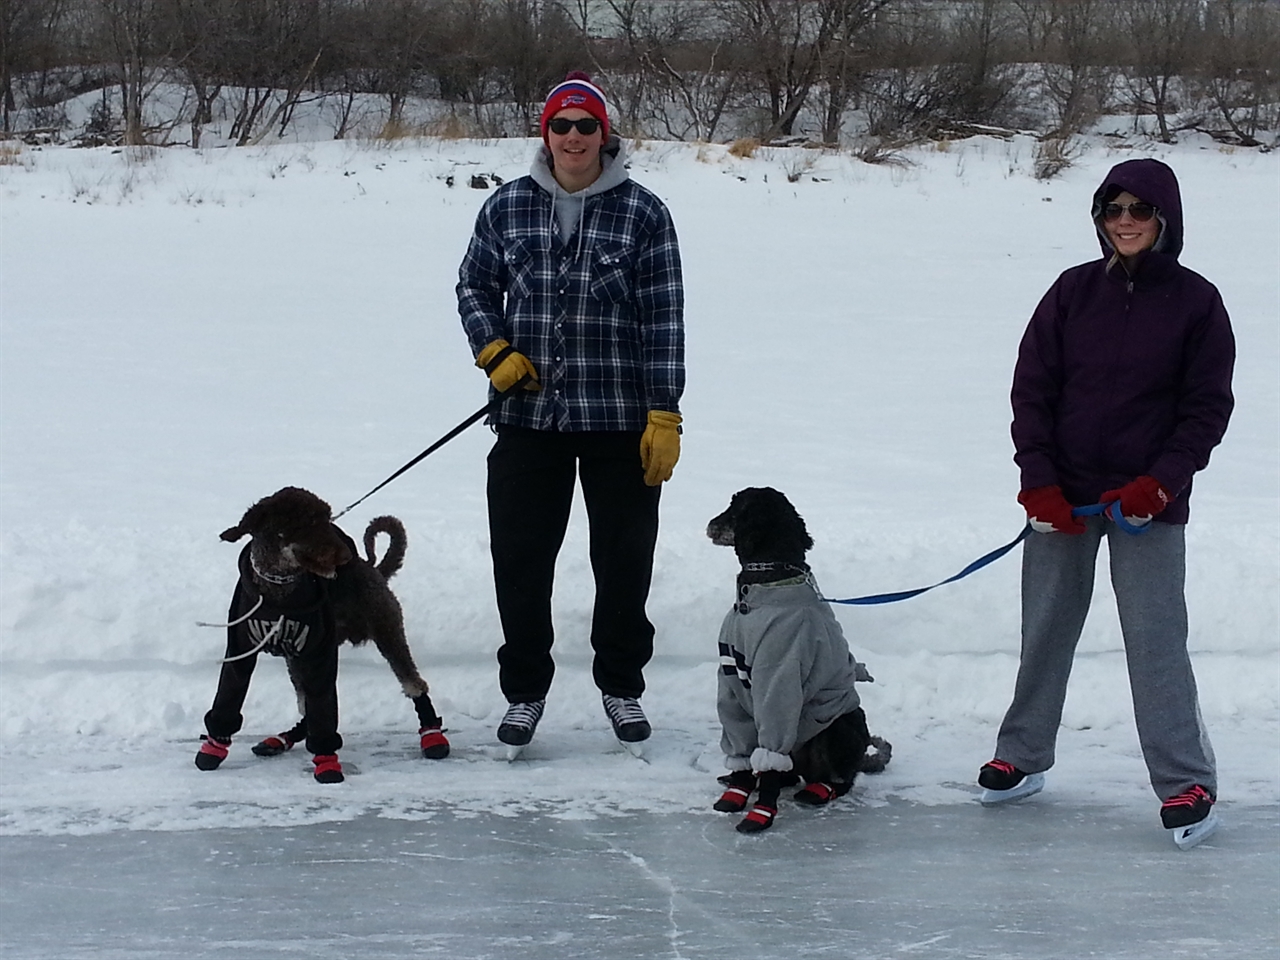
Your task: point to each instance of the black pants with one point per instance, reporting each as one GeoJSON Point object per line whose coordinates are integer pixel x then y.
{"type": "Point", "coordinates": [316, 676]}
{"type": "Point", "coordinates": [531, 481]}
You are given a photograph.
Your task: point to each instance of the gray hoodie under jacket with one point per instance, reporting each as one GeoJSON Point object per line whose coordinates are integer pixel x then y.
{"type": "Point", "coordinates": [571, 207]}
{"type": "Point", "coordinates": [786, 674]}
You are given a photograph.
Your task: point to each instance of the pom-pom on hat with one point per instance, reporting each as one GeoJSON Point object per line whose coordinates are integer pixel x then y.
{"type": "Point", "coordinates": [577, 91]}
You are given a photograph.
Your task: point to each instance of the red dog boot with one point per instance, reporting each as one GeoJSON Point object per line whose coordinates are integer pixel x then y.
{"type": "Point", "coordinates": [274, 746]}
{"type": "Point", "coordinates": [328, 769]}
{"type": "Point", "coordinates": [434, 744]}
{"type": "Point", "coordinates": [213, 750]}
{"type": "Point", "coordinates": [740, 784]}
{"type": "Point", "coordinates": [816, 794]}
{"type": "Point", "coordinates": [759, 818]}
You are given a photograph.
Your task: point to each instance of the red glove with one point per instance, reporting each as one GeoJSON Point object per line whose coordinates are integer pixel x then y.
{"type": "Point", "coordinates": [1140, 499]}
{"type": "Point", "coordinates": [1049, 512]}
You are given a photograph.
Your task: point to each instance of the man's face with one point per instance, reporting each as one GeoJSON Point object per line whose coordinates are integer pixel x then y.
{"type": "Point", "coordinates": [576, 155]}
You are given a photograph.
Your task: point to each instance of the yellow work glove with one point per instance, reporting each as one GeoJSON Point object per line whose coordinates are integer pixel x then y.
{"type": "Point", "coordinates": [660, 446]}
{"type": "Point", "coordinates": [505, 366]}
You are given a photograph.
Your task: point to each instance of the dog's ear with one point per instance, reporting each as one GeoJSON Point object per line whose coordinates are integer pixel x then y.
{"type": "Point", "coordinates": [768, 526]}
{"type": "Point", "coordinates": [801, 531]}
{"type": "Point", "coordinates": [793, 523]}
{"type": "Point", "coordinates": [250, 522]}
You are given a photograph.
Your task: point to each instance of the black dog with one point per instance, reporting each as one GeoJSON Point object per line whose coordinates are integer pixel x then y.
{"type": "Point", "coordinates": [302, 592]}
{"type": "Point", "coordinates": [775, 734]}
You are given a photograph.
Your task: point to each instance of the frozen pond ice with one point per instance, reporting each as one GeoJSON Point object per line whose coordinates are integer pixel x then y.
{"type": "Point", "coordinates": [898, 880]}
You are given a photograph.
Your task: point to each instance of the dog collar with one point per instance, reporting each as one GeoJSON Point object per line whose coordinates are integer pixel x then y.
{"type": "Point", "coordinates": [272, 577]}
{"type": "Point", "coordinates": [755, 567]}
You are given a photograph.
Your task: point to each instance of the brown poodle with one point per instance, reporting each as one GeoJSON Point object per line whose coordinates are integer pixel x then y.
{"type": "Point", "coordinates": [303, 591]}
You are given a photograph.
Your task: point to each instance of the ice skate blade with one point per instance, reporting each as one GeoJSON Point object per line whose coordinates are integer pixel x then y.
{"type": "Point", "coordinates": [513, 753]}
{"type": "Point", "coordinates": [1188, 836]}
{"type": "Point", "coordinates": [1031, 784]}
{"type": "Point", "coordinates": [635, 749]}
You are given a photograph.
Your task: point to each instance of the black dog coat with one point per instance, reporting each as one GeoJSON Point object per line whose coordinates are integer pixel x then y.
{"type": "Point", "coordinates": [306, 638]}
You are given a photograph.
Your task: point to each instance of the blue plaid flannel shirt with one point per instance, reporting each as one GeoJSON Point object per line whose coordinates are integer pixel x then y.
{"type": "Point", "coordinates": [601, 317]}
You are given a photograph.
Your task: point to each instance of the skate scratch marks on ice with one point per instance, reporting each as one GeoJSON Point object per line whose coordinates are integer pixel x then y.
{"type": "Point", "coordinates": [921, 944]}
{"type": "Point", "coordinates": [663, 883]}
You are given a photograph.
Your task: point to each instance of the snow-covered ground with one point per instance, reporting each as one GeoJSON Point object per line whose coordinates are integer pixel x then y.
{"type": "Point", "coordinates": [185, 332]}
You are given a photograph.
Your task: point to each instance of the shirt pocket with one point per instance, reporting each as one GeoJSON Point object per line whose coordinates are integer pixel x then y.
{"type": "Point", "coordinates": [523, 258]}
{"type": "Point", "coordinates": [611, 273]}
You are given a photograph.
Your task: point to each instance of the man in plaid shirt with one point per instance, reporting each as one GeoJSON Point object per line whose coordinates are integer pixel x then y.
{"type": "Point", "coordinates": [571, 293]}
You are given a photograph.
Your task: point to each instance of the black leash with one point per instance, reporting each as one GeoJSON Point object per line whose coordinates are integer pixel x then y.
{"type": "Point", "coordinates": [488, 408]}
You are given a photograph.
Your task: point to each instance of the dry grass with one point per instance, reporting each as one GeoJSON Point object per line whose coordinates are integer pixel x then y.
{"type": "Point", "coordinates": [1052, 156]}
{"type": "Point", "coordinates": [744, 148]}
{"type": "Point", "coordinates": [451, 127]}
{"type": "Point", "coordinates": [799, 163]}
{"type": "Point", "coordinates": [395, 130]}
{"type": "Point", "coordinates": [10, 153]}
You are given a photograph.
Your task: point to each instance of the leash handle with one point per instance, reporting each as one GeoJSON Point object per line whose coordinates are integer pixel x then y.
{"type": "Point", "coordinates": [1112, 512]}
{"type": "Point", "coordinates": [483, 411]}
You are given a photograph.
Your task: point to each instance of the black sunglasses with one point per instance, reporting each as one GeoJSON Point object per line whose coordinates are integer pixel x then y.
{"type": "Point", "coordinates": [1141, 212]}
{"type": "Point", "coordinates": [562, 125]}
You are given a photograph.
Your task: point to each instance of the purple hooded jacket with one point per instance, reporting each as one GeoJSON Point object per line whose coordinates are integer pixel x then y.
{"type": "Point", "coordinates": [1121, 372]}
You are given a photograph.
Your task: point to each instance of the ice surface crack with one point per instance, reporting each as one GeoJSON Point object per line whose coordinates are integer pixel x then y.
{"type": "Point", "coordinates": [663, 883]}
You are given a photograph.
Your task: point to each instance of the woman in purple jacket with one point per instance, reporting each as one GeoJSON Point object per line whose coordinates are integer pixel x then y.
{"type": "Point", "coordinates": [1121, 389]}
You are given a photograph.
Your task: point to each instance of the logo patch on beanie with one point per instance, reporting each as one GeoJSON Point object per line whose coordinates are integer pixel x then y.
{"type": "Point", "coordinates": [572, 98]}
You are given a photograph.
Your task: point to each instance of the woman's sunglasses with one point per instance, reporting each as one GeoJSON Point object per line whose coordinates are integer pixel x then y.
{"type": "Point", "coordinates": [1141, 212]}
{"type": "Point", "coordinates": [562, 125]}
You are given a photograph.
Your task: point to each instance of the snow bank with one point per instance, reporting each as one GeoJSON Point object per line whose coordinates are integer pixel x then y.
{"type": "Point", "coordinates": [187, 331]}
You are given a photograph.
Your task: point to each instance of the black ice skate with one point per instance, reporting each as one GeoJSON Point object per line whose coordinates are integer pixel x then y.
{"type": "Point", "coordinates": [518, 725]}
{"type": "Point", "coordinates": [1003, 782]}
{"type": "Point", "coordinates": [1190, 816]}
{"type": "Point", "coordinates": [630, 725]}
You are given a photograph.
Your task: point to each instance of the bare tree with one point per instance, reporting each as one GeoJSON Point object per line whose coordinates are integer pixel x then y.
{"type": "Point", "coordinates": [907, 90]}
{"type": "Point", "coordinates": [1070, 43]}
{"type": "Point", "coordinates": [674, 72]}
{"type": "Point", "coordinates": [982, 73]}
{"type": "Point", "coordinates": [697, 92]}
{"type": "Point", "coordinates": [197, 31]}
{"type": "Point", "coordinates": [1241, 52]}
{"type": "Point", "coordinates": [845, 59]}
{"type": "Point", "coordinates": [585, 15]}
{"type": "Point", "coordinates": [532, 45]}
{"type": "Point", "coordinates": [785, 42]}
{"type": "Point", "coordinates": [29, 30]}
{"type": "Point", "coordinates": [1163, 37]}
{"type": "Point", "coordinates": [270, 49]}
{"type": "Point", "coordinates": [131, 37]}
{"type": "Point", "coordinates": [393, 35]}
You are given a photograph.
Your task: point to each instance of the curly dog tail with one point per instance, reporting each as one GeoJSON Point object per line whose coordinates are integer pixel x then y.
{"type": "Point", "coordinates": [394, 558]}
{"type": "Point", "coordinates": [877, 758]}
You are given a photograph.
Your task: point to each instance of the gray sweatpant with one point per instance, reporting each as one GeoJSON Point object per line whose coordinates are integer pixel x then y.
{"type": "Point", "coordinates": [1147, 574]}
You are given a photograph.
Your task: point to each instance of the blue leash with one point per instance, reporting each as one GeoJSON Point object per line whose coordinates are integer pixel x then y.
{"type": "Point", "coordinates": [1110, 510]}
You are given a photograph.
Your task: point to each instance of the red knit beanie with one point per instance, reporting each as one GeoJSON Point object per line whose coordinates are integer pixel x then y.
{"type": "Point", "coordinates": [578, 91]}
